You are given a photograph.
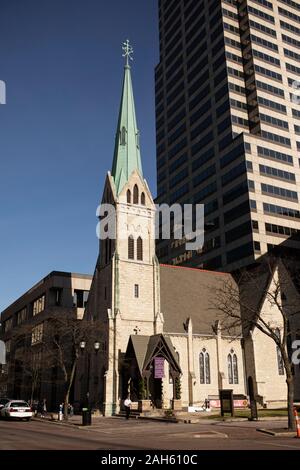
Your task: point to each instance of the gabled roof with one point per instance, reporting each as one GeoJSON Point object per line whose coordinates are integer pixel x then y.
{"type": "Point", "coordinates": [139, 344]}
{"type": "Point", "coordinates": [169, 351]}
{"type": "Point", "coordinates": [145, 348]}
{"type": "Point", "coordinates": [127, 156]}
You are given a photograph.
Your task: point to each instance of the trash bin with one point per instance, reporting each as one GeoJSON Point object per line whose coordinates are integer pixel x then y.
{"type": "Point", "coordinates": [86, 417]}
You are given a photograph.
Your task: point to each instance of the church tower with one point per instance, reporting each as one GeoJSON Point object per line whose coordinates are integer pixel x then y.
{"type": "Point", "coordinates": [125, 289]}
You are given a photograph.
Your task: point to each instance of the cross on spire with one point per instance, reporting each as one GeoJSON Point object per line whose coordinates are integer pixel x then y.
{"type": "Point", "coordinates": [128, 51]}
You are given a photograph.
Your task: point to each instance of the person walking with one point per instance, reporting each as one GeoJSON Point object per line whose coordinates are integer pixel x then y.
{"type": "Point", "coordinates": [40, 409]}
{"type": "Point", "coordinates": [44, 407]}
{"type": "Point", "coordinates": [127, 404]}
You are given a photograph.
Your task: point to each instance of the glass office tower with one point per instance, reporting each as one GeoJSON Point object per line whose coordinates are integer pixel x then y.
{"type": "Point", "coordinates": [228, 125]}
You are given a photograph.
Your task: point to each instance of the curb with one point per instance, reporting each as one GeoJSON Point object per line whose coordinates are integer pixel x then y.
{"type": "Point", "coordinates": [276, 434]}
{"type": "Point", "coordinates": [263, 418]}
{"type": "Point", "coordinates": [55, 421]}
{"type": "Point", "coordinates": [149, 418]}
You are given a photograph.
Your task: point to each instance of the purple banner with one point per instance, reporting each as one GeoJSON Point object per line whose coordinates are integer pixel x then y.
{"type": "Point", "coordinates": [159, 372]}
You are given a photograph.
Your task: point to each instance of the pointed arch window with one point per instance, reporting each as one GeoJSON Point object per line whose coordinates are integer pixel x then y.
{"type": "Point", "coordinates": [139, 249]}
{"type": "Point", "coordinates": [204, 363]}
{"type": "Point", "coordinates": [232, 363]}
{"type": "Point", "coordinates": [130, 247]}
{"type": "Point", "coordinates": [279, 355]}
{"type": "Point", "coordinates": [106, 251]}
{"type": "Point", "coordinates": [143, 199]}
{"type": "Point", "coordinates": [135, 195]}
{"type": "Point", "coordinates": [128, 196]}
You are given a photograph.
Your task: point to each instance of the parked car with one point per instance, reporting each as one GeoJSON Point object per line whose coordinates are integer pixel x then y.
{"type": "Point", "coordinates": [16, 409]}
{"type": "Point", "coordinates": [3, 402]}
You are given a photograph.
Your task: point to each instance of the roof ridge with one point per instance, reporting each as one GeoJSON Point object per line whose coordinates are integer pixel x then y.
{"type": "Point", "coordinates": [194, 269]}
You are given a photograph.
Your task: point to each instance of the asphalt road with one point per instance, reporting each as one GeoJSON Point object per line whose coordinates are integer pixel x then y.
{"type": "Point", "coordinates": [115, 433]}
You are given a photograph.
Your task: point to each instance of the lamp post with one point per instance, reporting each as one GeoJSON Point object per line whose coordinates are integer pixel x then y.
{"type": "Point", "coordinates": [96, 349]}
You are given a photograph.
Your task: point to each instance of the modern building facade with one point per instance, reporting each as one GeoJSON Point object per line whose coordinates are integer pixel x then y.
{"type": "Point", "coordinates": [23, 326]}
{"type": "Point", "coordinates": [228, 125]}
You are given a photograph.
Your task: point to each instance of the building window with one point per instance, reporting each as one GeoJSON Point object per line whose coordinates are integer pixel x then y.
{"type": "Point", "coordinates": [128, 196]}
{"type": "Point", "coordinates": [279, 356]}
{"type": "Point", "coordinates": [80, 298]}
{"type": "Point", "coordinates": [22, 316]}
{"type": "Point", "coordinates": [233, 377]}
{"type": "Point", "coordinates": [130, 247]}
{"type": "Point", "coordinates": [140, 249]}
{"type": "Point", "coordinates": [257, 246]}
{"type": "Point", "coordinates": [136, 291]}
{"type": "Point", "coordinates": [143, 199]}
{"type": "Point", "coordinates": [8, 324]}
{"type": "Point", "coordinates": [57, 296]}
{"type": "Point", "coordinates": [38, 305]}
{"type": "Point", "coordinates": [135, 195]}
{"type": "Point", "coordinates": [37, 334]}
{"type": "Point", "coordinates": [204, 363]}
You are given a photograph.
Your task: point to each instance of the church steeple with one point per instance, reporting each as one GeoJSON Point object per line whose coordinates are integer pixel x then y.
{"type": "Point", "coordinates": [127, 157]}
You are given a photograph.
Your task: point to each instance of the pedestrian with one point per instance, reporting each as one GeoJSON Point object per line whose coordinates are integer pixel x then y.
{"type": "Point", "coordinates": [60, 412]}
{"type": "Point", "coordinates": [44, 407]}
{"type": "Point", "coordinates": [70, 410]}
{"type": "Point", "coordinates": [40, 409]}
{"type": "Point", "coordinates": [127, 404]}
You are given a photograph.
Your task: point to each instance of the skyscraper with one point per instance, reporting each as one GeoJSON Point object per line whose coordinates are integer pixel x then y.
{"type": "Point", "coordinates": [228, 124]}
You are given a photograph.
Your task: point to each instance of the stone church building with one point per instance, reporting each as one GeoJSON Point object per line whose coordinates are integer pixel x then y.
{"type": "Point", "coordinates": [159, 323]}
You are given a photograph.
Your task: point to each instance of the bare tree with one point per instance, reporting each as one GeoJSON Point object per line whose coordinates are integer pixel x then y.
{"type": "Point", "coordinates": [54, 343]}
{"type": "Point", "coordinates": [29, 361]}
{"type": "Point", "coordinates": [64, 335]}
{"type": "Point", "coordinates": [241, 304]}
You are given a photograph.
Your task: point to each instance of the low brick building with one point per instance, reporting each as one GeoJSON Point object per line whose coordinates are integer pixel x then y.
{"type": "Point", "coordinates": [59, 293]}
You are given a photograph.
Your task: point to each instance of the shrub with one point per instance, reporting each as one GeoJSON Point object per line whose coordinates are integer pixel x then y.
{"type": "Point", "coordinates": [177, 388]}
{"type": "Point", "coordinates": [142, 389]}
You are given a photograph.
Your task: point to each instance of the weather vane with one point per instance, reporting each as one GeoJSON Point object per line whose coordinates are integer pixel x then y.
{"type": "Point", "coordinates": [128, 51]}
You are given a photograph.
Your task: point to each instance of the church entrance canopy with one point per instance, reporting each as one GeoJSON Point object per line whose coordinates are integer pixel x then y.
{"type": "Point", "coordinates": [145, 366]}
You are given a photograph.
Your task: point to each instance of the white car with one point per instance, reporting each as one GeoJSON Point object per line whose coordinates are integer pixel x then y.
{"type": "Point", "coordinates": [16, 409]}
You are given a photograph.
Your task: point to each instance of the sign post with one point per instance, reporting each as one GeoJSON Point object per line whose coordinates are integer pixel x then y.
{"type": "Point", "coordinates": [226, 400]}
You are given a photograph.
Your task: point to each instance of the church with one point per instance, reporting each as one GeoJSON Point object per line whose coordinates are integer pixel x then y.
{"type": "Point", "coordinates": [163, 341]}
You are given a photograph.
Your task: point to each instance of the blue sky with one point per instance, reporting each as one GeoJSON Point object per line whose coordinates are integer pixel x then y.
{"type": "Point", "coordinates": [62, 64]}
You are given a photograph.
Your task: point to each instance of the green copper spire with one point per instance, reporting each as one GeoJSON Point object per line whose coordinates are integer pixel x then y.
{"type": "Point", "coordinates": [127, 157]}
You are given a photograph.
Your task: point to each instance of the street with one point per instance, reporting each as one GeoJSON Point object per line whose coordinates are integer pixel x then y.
{"type": "Point", "coordinates": [116, 433]}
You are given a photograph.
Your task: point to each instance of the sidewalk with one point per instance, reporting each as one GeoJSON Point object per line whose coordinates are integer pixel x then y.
{"type": "Point", "coordinates": [188, 418]}
{"type": "Point", "coordinates": [75, 420]}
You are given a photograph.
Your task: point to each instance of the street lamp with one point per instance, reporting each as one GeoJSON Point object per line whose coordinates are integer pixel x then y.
{"type": "Point", "coordinates": [96, 349]}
